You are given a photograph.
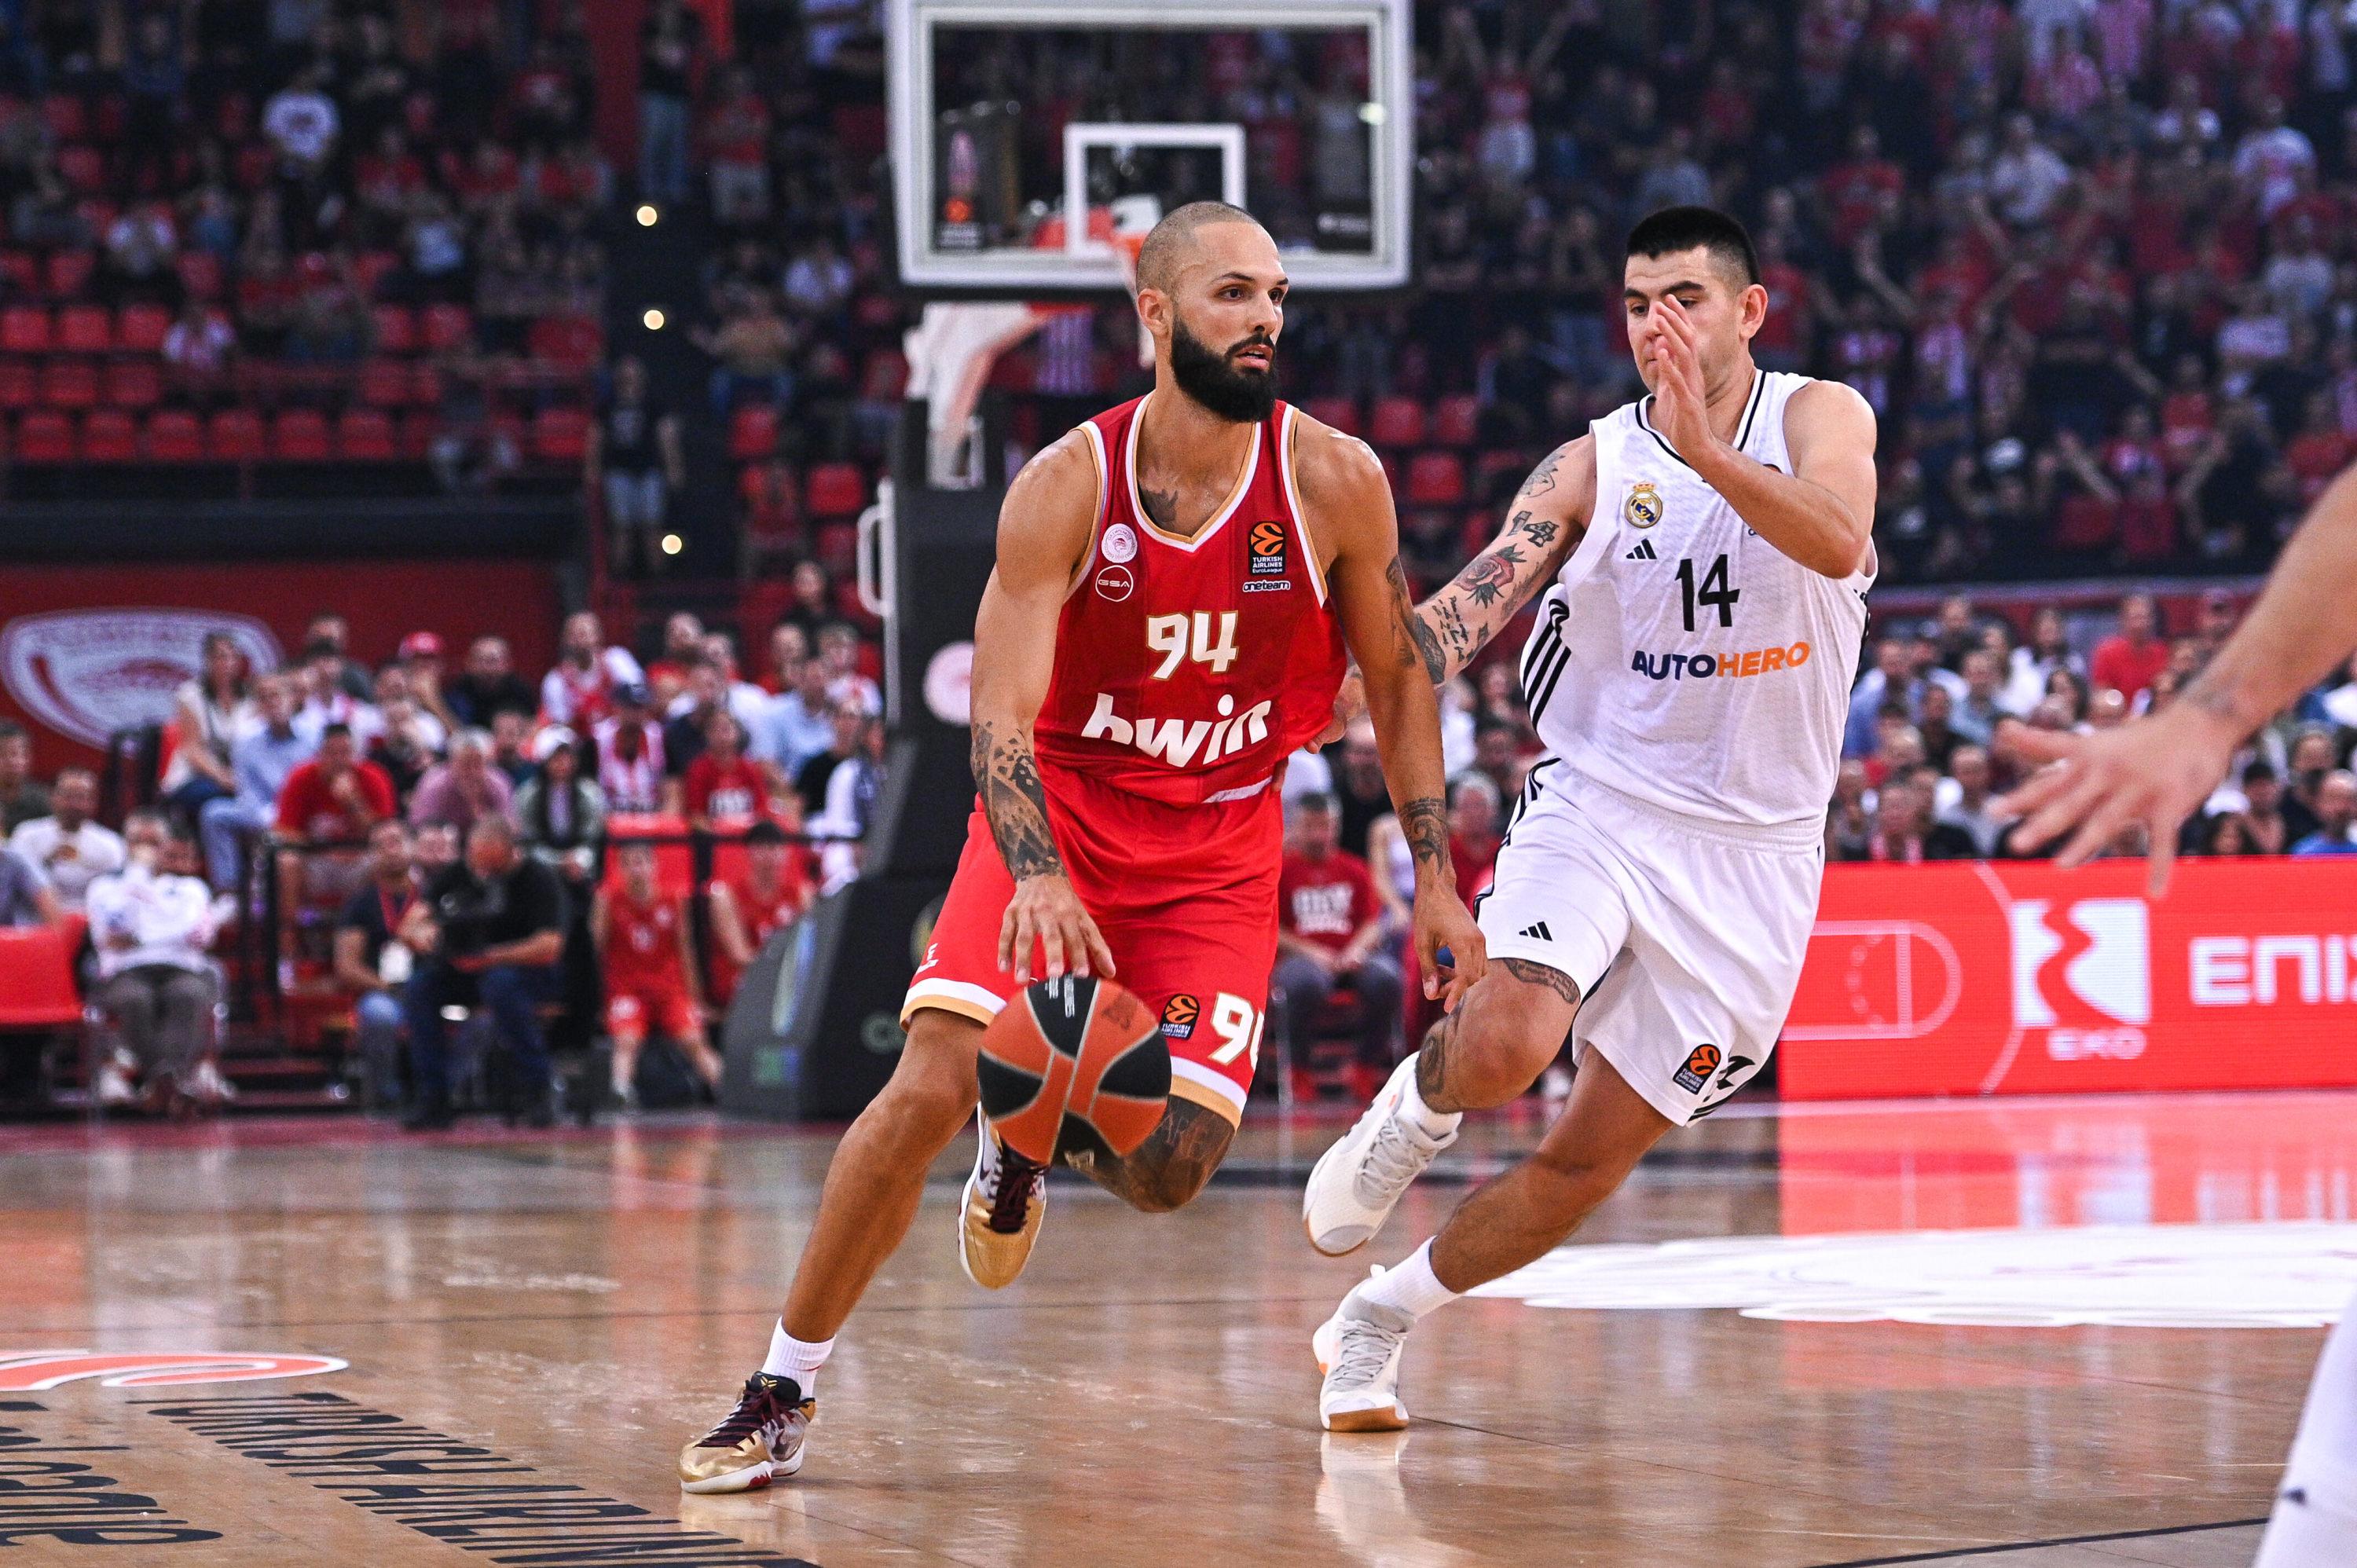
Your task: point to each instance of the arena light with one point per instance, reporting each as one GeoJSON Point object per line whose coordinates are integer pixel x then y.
{"type": "Point", "coordinates": [672, 545]}
{"type": "Point", "coordinates": [648, 215]}
{"type": "Point", "coordinates": [652, 320]}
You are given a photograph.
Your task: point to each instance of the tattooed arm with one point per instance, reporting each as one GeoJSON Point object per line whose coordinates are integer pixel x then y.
{"type": "Point", "coordinates": [1343, 490]}
{"type": "Point", "coordinates": [1547, 520]}
{"type": "Point", "coordinates": [1043, 531]}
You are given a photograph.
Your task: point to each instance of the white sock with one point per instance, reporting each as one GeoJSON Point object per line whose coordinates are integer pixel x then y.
{"type": "Point", "coordinates": [796, 1359]}
{"type": "Point", "coordinates": [1433, 1125]}
{"type": "Point", "coordinates": [1412, 1288]}
{"type": "Point", "coordinates": [2314, 1522]}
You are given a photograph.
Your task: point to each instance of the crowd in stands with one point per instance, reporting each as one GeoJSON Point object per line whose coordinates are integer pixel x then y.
{"type": "Point", "coordinates": [378, 804]}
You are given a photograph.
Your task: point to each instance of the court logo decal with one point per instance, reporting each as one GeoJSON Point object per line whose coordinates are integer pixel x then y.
{"type": "Point", "coordinates": [1644, 507]}
{"type": "Point", "coordinates": [1115, 584]}
{"type": "Point", "coordinates": [1179, 1016]}
{"type": "Point", "coordinates": [1700, 1062]}
{"type": "Point", "coordinates": [2292, 1275]}
{"type": "Point", "coordinates": [47, 1493]}
{"type": "Point", "coordinates": [86, 674]}
{"type": "Point", "coordinates": [28, 1370]}
{"type": "Point", "coordinates": [2083, 973]}
{"type": "Point", "coordinates": [1267, 546]}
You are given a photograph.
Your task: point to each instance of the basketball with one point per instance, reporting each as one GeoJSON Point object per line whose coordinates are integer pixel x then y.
{"type": "Point", "coordinates": [1075, 1065]}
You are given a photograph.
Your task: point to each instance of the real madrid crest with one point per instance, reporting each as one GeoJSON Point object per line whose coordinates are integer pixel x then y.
{"type": "Point", "coordinates": [1644, 507]}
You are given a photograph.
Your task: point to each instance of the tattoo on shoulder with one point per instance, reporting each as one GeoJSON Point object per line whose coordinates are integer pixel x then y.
{"type": "Point", "coordinates": [1554, 979]}
{"type": "Point", "coordinates": [1542, 477]}
{"type": "Point", "coordinates": [1540, 531]}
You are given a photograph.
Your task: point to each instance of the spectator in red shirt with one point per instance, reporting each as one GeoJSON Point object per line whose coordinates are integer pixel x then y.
{"type": "Point", "coordinates": [2127, 660]}
{"type": "Point", "coordinates": [724, 790]}
{"type": "Point", "coordinates": [1330, 935]}
{"type": "Point", "coordinates": [772, 892]}
{"type": "Point", "coordinates": [1473, 811]}
{"type": "Point", "coordinates": [333, 800]}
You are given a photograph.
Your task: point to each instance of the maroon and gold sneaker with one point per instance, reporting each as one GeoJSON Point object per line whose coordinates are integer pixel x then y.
{"type": "Point", "coordinates": [761, 1439]}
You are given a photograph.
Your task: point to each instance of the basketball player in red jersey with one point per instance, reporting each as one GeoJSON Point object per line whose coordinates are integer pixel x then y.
{"type": "Point", "coordinates": [652, 986]}
{"type": "Point", "coordinates": [1177, 582]}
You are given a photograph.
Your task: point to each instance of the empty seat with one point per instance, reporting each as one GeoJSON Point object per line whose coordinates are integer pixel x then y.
{"type": "Point", "coordinates": [24, 330]}
{"type": "Point", "coordinates": [67, 274]}
{"type": "Point", "coordinates": [85, 329]}
{"type": "Point", "coordinates": [200, 273]}
{"type": "Point", "coordinates": [20, 271]}
{"type": "Point", "coordinates": [142, 328]}
{"type": "Point", "coordinates": [234, 435]}
{"type": "Point", "coordinates": [135, 383]}
{"type": "Point", "coordinates": [753, 432]}
{"type": "Point", "coordinates": [448, 326]}
{"type": "Point", "coordinates": [837, 490]}
{"type": "Point", "coordinates": [19, 388]}
{"type": "Point", "coordinates": [396, 329]}
{"type": "Point", "coordinates": [1398, 422]}
{"type": "Point", "coordinates": [174, 436]}
{"type": "Point", "coordinates": [365, 435]}
{"type": "Point", "coordinates": [384, 383]}
{"type": "Point", "coordinates": [560, 435]}
{"type": "Point", "coordinates": [37, 989]}
{"type": "Point", "coordinates": [83, 168]}
{"type": "Point", "coordinates": [416, 433]}
{"type": "Point", "coordinates": [300, 436]}
{"type": "Point", "coordinates": [70, 383]}
{"type": "Point", "coordinates": [1340, 412]}
{"type": "Point", "coordinates": [108, 435]}
{"type": "Point", "coordinates": [569, 343]}
{"type": "Point", "coordinates": [1455, 421]}
{"type": "Point", "coordinates": [1436, 479]}
{"type": "Point", "coordinates": [66, 117]}
{"type": "Point", "coordinates": [369, 270]}
{"type": "Point", "coordinates": [45, 435]}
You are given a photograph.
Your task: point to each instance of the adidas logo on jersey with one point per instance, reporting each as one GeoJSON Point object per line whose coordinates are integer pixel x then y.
{"type": "Point", "coordinates": [1645, 552]}
{"type": "Point", "coordinates": [1537, 933]}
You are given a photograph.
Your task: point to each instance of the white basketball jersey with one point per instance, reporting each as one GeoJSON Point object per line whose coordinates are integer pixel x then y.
{"type": "Point", "coordinates": [1713, 679]}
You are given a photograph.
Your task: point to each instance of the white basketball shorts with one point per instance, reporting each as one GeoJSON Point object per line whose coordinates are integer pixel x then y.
{"type": "Point", "coordinates": [1686, 941]}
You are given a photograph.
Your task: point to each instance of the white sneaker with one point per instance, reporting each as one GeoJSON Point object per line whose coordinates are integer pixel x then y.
{"type": "Point", "coordinates": [999, 1218]}
{"type": "Point", "coordinates": [1354, 1184]}
{"type": "Point", "coordinates": [114, 1087]}
{"type": "Point", "coordinates": [1357, 1348]}
{"type": "Point", "coordinates": [206, 1083]}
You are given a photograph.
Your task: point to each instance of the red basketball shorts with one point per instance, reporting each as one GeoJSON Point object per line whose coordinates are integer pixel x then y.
{"type": "Point", "coordinates": [633, 1014]}
{"type": "Point", "coordinates": [1186, 897]}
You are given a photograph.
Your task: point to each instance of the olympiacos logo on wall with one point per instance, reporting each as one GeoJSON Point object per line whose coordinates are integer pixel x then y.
{"type": "Point", "coordinates": [86, 674]}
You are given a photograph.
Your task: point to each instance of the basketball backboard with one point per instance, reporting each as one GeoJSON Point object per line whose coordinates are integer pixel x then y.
{"type": "Point", "coordinates": [1010, 115]}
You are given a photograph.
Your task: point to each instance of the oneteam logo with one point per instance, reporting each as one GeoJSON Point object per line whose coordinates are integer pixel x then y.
{"type": "Point", "coordinates": [2083, 974]}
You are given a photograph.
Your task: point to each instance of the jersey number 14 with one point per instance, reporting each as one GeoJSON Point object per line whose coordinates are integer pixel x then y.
{"type": "Point", "coordinates": [1715, 592]}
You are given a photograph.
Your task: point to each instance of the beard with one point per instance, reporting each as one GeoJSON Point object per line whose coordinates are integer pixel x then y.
{"type": "Point", "coordinates": [1213, 379]}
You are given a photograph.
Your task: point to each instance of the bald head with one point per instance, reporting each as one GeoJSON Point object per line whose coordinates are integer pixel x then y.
{"type": "Point", "coordinates": [1172, 243]}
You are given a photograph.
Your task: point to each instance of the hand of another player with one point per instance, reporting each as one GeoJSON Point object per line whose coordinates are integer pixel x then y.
{"type": "Point", "coordinates": [1680, 409]}
{"type": "Point", "coordinates": [1046, 913]}
{"type": "Point", "coordinates": [1349, 706]}
{"type": "Point", "coordinates": [2155, 770]}
{"type": "Point", "coordinates": [1443, 921]}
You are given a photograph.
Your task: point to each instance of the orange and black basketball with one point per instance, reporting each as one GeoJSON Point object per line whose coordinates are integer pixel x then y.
{"type": "Point", "coordinates": [1075, 1065]}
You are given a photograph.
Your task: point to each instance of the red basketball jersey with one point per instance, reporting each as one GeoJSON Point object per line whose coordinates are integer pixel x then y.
{"type": "Point", "coordinates": [1188, 669]}
{"type": "Point", "coordinates": [642, 945]}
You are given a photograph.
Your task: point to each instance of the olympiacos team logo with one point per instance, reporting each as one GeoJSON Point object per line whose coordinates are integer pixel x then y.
{"type": "Point", "coordinates": [88, 673]}
{"type": "Point", "coordinates": [26, 1370]}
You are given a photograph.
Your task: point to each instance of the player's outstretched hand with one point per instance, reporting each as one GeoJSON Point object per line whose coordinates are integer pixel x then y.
{"type": "Point", "coordinates": [1349, 706]}
{"type": "Point", "coordinates": [1443, 921]}
{"type": "Point", "coordinates": [1046, 913]}
{"type": "Point", "coordinates": [1681, 404]}
{"type": "Point", "coordinates": [2155, 770]}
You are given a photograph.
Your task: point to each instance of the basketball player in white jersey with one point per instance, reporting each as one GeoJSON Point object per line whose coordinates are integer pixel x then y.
{"type": "Point", "coordinates": [2158, 770]}
{"type": "Point", "coordinates": [1655, 892]}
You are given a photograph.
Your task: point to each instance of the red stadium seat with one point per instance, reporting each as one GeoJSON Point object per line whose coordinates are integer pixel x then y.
{"type": "Point", "coordinates": [108, 435]}
{"type": "Point", "coordinates": [24, 330]}
{"type": "Point", "coordinates": [837, 490]}
{"type": "Point", "coordinates": [569, 343]}
{"type": "Point", "coordinates": [1455, 420]}
{"type": "Point", "coordinates": [753, 433]}
{"type": "Point", "coordinates": [417, 430]}
{"type": "Point", "coordinates": [45, 436]}
{"type": "Point", "coordinates": [85, 329]}
{"type": "Point", "coordinates": [235, 435]}
{"type": "Point", "coordinates": [885, 379]}
{"type": "Point", "coordinates": [20, 271]}
{"type": "Point", "coordinates": [560, 435]}
{"type": "Point", "coordinates": [1398, 422]}
{"type": "Point", "coordinates": [396, 329]}
{"type": "Point", "coordinates": [65, 117]}
{"type": "Point", "coordinates": [370, 269]}
{"type": "Point", "coordinates": [174, 436]}
{"type": "Point", "coordinates": [82, 167]}
{"type": "Point", "coordinates": [1342, 413]}
{"type": "Point", "coordinates": [772, 505]}
{"type": "Point", "coordinates": [365, 435]}
{"type": "Point", "coordinates": [200, 273]}
{"type": "Point", "coordinates": [2086, 523]}
{"type": "Point", "coordinates": [384, 383]}
{"type": "Point", "coordinates": [448, 326]}
{"type": "Point", "coordinates": [142, 328]}
{"type": "Point", "coordinates": [135, 383]}
{"type": "Point", "coordinates": [19, 388]}
{"type": "Point", "coordinates": [67, 274]}
{"type": "Point", "coordinates": [675, 861]}
{"type": "Point", "coordinates": [36, 976]}
{"type": "Point", "coordinates": [1436, 479]}
{"type": "Point", "coordinates": [299, 436]}
{"type": "Point", "coordinates": [70, 383]}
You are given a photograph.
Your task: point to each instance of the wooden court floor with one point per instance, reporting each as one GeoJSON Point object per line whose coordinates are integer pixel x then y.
{"type": "Point", "coordinates": [2066, 1333]}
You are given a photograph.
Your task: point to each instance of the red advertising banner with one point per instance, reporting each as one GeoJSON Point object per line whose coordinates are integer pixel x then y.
{"type": "Point", "coordinates": [85, 650]}
{"type": "Point", "coordinates": [2015, 978]}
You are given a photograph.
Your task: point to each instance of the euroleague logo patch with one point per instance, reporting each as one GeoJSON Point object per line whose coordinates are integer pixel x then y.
{"type": "Point", "coordinates": [1179, 1016]}
{"type": "Point", "coordinates": [1266, 545]}
{"type": "Point", "coordinates": [1115, 584]}
{"type": "Point", "coordinates": [1700, 1062]}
